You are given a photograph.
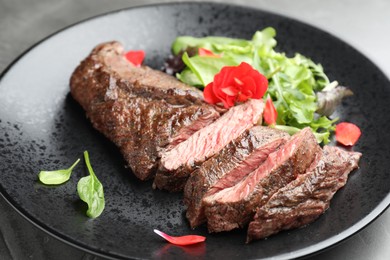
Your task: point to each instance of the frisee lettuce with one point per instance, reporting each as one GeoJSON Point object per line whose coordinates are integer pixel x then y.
{"type": "Point", "coordinates": [293, 81]}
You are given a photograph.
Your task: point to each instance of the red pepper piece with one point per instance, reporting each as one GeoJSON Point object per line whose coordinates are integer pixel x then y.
{"type": "Point", "coordinates": [181, 241]}
{"type": "Point", "coordinates": [206, 52]}
{"type": "Point", "coordinates": [347, 133]}
{"type": "Point", "coordinates": [135, 57]}
{"type": "Point", "coordinates": [270, 114]}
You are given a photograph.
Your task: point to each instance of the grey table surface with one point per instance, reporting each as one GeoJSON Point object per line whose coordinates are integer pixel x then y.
{"type": "Point", "coordinates": [363, 24]}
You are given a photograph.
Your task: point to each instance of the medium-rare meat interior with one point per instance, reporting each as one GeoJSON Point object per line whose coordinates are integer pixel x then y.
{"type": "Point", "coordinates": [238, 158]}
{"type": "Point", "coordinates": [306, 198]}
{"type": "Point", "coordinates": [234, 206]}
{"type": "Point", "coordinates": [140, 109]}
{"type": "Point", "coordinates": [177, 164]}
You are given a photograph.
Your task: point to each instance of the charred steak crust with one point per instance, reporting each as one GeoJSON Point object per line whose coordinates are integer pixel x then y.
{"type": "Point", "coordinates": [244, 153]}
{"type": "Point", "coordinates": [140, 109]}
{"type": "Point", "coordinates": [177, 164]}
{"type": "Point", "coordinates": [235, 206]}
{"type": "Point", "coordinates": [306, 198]}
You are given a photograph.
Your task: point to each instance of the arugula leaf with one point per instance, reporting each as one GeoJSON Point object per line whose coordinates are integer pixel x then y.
{"type": "Point", "coordinates": [90, 190]}
{"type": "Point", "coordinates": [56, 177]}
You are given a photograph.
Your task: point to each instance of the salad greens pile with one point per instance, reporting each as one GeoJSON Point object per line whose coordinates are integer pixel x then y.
{"type": "Point", "coordinates": [294, 82]}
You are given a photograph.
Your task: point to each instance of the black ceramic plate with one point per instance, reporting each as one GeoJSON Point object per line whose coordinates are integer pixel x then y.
{"type": "Point", "coordinates": [42, 127]}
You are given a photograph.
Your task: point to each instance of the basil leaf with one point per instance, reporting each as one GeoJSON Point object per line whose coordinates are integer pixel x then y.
{"type": "Point", "coordinates": [56, 177]}
{"type": "Point", "coordinates": [90, 191]}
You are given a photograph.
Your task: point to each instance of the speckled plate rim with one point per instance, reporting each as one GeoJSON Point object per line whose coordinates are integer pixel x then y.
{"type": "Point", "coordinates": [307, 251]}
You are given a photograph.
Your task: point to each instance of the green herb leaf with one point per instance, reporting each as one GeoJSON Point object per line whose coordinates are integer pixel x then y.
{"type": "Point", "coordinates": [204, 68]}
{"type": "Point", "coordinates": [189, 77]}
{"type": "Point", "coordinates": [90, 190]}
{"type": "Point", "coordinates": [58, 176]}
{"type": "Point", "coordinates": [211, 43]}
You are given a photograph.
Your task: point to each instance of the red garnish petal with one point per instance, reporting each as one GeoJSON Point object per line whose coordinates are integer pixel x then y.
{"type": "Point", "coordinates": [238, 82]}
{"type": "Point", "coordinates": [235, 84]}
{"type": "Point", "coordinates": [181, 241]}
{"type": "Point", "coordinates": [242, 97]}
{"type": "Point", "coordinates": [230, 91]}
{"type": "Point", "coordinates": [209, 95]}
{"type": "Point", "coordinates": [347, 133]}
{"type": "Point", "coordinates": [135, 57]}
{"type": "Point", "coordinates": [206, 52]}
{"type": "Point", "coordinates": [249, 86]}
{"type": "Point", "coordinates": [228, 102]}
{"type": "Point", "coordinates": [262, 83]}
{"type": "Point", "coordinates": [270, 114]}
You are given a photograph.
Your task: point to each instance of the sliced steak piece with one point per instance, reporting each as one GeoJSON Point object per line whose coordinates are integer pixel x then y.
{"type": "Point", "coordinates": [141, 110]}
{"type": "Point", "coordinates": [240, 157]}
{"type": "Point", "coordinates": [177, 163]}
{"type": "Point", "coordinates": [306, 198]}
{"type": "Point", "coordinates": [235, 206]}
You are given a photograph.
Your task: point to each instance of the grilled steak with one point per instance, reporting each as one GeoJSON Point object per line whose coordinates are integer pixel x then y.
{"type": "Point", "coordinates": [237, 173]}
{"type": "Point", "coordinates": [141, 110]}
{"type": "Point", "coordinates": [306, 198]}
{"type": "Point", "coordinates": [235, 206]}
{"type": "Point", "coordinates": [241, 156]}
{"type": "Point", "coordinates": [177, 163]}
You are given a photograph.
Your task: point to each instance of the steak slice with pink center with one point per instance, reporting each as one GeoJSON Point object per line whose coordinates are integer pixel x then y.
{"type": "Point", "coordinates": [235, 206]}
{"type": "Point", "coordinates": [240, 157]}
{"type": "Point", "coordinates": [140, 109]}
{"type": "Point", "coordinates": [303, 200]}
{"type": "Point", "coordinates": [177, 164]}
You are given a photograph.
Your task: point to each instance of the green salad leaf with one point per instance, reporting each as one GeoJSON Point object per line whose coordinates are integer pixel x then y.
{"type": "Point", "coordinates": [90, 191]}
{"type": "Point", "coordinates": [293, 81]}
{"type": "Point", "coordinates": [56, 177]}
{"type": "Point", "coordinates": [204, 68]}
{"type": "Point", "coordinates": [210, 43]}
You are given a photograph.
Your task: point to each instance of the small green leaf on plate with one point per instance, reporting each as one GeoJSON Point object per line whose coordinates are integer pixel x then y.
{"type": "Point", "coordinates": [90, 191]}
{"type": "Point", "coordinates": [56, 177]}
